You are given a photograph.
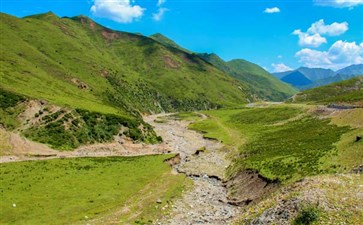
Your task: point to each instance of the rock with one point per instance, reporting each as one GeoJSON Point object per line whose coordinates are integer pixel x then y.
{"type": "Point", "coordinates": [159, 201]}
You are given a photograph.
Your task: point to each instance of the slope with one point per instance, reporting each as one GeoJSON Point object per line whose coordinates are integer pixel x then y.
{"type": "Point", "coordinates": [261, 84]}
{"type": "Point", "coordinates": [167, 42]}
{"type": "Point", "coordinates": [344, 92]}
{"type": "Point", "coordinates": [76, 62]}
{"type": "Point", "coordinates": [297, 79]}
{"type": "Point", "coordinates": [93, 76]}
{"type": "Point", "coordinates": [315, 74]}
{"type": "Point", "coordinates": [351, 70]}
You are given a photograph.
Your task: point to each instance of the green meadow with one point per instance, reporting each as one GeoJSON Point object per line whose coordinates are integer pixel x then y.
{"type": "Point", "coordinates": [79, 190]}
{"type": "Point", "coordinates": [281, 142]}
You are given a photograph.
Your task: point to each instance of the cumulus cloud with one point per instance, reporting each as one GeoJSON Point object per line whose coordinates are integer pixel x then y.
{"type": "Point", "coordinates": [339, 55]}
{"type": "Point", "coordinates": [312, 37]}
{"type": "Point", "coordinates": [280, 67]}
{"type": "Point", "coordinates": [121, 11]}
{"type": "Point", "coordinates": [161, 11]}
{"type": "Point", "coordinates": [272, 10]}
{"type": "Point", "coordinates": [307, 40]}
{"type": "Point", "coordinates": [339, 3]}
{"type": "Point", "coordinates": [159, 15]}
{"type": "Point", "coordinates": [160, 2]}
{"type": "Point", "coordinates": [333, 29]}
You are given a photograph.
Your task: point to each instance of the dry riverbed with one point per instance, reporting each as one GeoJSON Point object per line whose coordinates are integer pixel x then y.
{"type": "Point", "coordinates": [206, 202]}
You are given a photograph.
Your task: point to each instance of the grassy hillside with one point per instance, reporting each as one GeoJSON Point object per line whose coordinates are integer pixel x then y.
{"type": "Point", "coordinates": [86, 190]}
{"type": "Point", "coordinates": [344, 92]}
{"type": "Point", "coordinates": [65, 128]}
{"type": "Point", "coordinates": [77, 63]}
{"type": "Point", "coordinates": [309, 152]}
{"type": "Point", "coordinates": [281, 142]}
{"type": "Point", "coordinates": [260, 83]}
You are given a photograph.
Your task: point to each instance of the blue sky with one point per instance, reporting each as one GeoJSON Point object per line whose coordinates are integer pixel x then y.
{"type": "Point", "coordinates": [277, 35]}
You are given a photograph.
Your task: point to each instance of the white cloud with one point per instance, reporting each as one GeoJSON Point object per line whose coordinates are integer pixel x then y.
{"type": "Point", "coordinates": [333, 29]}
{"type": "Point", "coordinates": [117, 10]}
{"type": "Point", "coordinates": [272, 10]}
{"type": "Point", "coordinates": [307, 40]}
{"type": "Point", "coordinates": [339, 3]}
{"type": "Point", "coordinates": [280, 67]}
{"type": "Point", "coordinates": [159, 15]}
{"type": "Point", "coordinates": [339, 55]}
{"type": "Point", "coordinates": [313, 38]}
{"type": "Point", "coordinates": [160, 2]}
{"type": "Point", "coordinates": [279, 56]}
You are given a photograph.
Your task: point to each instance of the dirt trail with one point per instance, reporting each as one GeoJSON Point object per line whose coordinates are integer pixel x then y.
{"type": "Point", "coordinates": [15, 148]}
{"type": "Point", "coordinates": [206, 203]}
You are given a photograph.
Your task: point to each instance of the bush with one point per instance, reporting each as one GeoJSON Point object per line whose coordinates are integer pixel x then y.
{"type": "Point", "coordinates": [307, 216]}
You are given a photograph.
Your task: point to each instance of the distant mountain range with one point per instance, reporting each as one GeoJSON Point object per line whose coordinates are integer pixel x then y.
{"type": "Point", "coordinates": [305, 78]}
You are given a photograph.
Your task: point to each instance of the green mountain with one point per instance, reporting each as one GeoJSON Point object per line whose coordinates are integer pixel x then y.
{"type": "Point", "coordinates": [260, 83]}
{"type": "Point", "coordinates": [78, 63]}
{"type": "Point", "coordinates": [343, 92]}
{"type": "Point", "coordinates": [168, 42]}
{"type": "Point", "coordinates": [99, 77]}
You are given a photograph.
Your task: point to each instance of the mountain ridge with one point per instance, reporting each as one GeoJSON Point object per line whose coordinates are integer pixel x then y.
{"type": "Point", "coordinates": [319, 76]}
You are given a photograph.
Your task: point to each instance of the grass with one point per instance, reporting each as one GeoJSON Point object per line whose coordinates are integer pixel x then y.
{"type": "Point", "coordinates": [281, 142]}
{"type": "Point", "coordinates": [325, 199]}
{"type": "Point", "coordinates": [5, 146]}
{"type": "Point", "coordinates": [68, 191]}
{"type": "Point", "coordinates": [189, 116]}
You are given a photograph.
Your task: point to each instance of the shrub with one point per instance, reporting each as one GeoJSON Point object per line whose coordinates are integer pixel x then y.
{"type": "Point", "coordinates": [307, 216]}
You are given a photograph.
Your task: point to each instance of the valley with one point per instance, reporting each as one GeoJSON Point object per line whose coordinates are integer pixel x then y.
{"type": "Point", "coordinates": [212, 171]}
{"type": "Point", "coordinates": [101, 126]}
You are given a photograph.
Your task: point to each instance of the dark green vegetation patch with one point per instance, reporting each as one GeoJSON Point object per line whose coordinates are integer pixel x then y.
{"type": "Point", "coordinates": [67, 191]}
{"type": "Point", "coordinates": [9, 109]}
{"type": "Point", "coordinates": [69, 129]}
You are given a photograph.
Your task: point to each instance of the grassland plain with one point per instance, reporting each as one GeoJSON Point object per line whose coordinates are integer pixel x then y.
{"type": "Point", "coordinates": [82, 190]}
